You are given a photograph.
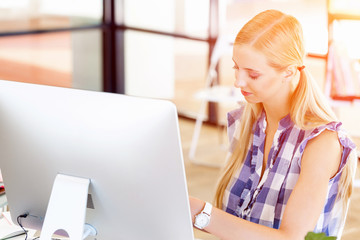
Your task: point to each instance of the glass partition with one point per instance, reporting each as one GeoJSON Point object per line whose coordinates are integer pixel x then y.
{"type": "Point", "coordinates": [191, 63]}
{"type": "Point", "coordinates": [185, 17]}
{"type": "Point", "coordinates": [149, 65]}
{"type": "Point", "coordinates": [66, 59]}
{"type": "Point", "coordinates": [31, 15]}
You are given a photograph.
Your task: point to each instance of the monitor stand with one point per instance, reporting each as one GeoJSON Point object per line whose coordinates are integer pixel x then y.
{"type": "Point", "coordinates": [66, 210]}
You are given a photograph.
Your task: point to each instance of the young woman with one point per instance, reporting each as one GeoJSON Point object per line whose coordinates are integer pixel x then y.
{"type": "Point", "coordinates": [291, 165]}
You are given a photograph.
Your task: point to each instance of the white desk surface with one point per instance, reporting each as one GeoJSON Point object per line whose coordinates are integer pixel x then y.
{"type": "Point", "coordinates": [7, 227]}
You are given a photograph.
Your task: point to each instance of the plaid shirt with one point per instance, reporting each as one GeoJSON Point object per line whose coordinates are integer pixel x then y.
{"type": "Point", "coordinates": [264, 201]}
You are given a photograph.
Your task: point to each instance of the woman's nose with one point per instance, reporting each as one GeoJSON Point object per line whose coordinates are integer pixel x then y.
{"type": "Point", "coordinates": [239, 79]}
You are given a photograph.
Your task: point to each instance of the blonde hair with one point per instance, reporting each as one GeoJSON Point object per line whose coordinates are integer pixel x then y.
{"type": "Point", "coordinates": [279, 37]}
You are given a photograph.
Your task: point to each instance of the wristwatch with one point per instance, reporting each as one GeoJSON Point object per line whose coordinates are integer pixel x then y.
{"type": "Point", "coordinates": [202, 220]}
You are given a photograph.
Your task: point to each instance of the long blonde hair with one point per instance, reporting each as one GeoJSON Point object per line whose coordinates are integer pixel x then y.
{"type": "Point", "coordinates": [279, 37]}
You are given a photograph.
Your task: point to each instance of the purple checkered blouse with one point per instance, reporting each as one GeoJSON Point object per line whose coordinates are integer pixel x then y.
{"type": "Point", "coordinates": [264, 202]}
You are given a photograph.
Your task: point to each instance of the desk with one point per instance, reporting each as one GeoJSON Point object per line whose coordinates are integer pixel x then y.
{"type": "Point", "coordinates": [7, 227]}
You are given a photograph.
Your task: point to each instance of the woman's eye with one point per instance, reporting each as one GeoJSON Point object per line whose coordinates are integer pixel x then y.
{"type": "Point", "coordinates": [253, 76]}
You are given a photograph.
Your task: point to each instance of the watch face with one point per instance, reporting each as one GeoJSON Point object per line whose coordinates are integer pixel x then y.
{"type": "Point", "coordinates": [202, 220]}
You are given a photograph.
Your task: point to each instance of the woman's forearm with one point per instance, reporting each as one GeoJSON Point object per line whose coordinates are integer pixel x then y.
{"type": "Point", "coordinates": [229, 227]}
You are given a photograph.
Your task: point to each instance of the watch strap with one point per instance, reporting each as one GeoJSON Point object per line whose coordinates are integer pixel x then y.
{"type": "Point", "coordinates": [207, 208]}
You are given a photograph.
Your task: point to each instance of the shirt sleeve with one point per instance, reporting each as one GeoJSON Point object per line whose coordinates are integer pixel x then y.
{"type": "Point", "coordinates": [347, 145]}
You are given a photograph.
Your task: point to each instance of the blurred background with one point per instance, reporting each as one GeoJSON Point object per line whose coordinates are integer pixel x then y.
{"type": "Point", "coordinates": [161, 48]}
{"type": "Point", "coordinates": [179, 50]}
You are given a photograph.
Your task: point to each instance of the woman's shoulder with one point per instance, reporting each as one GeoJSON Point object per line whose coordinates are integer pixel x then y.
{"type": "Point", "coordinates": [325, 142]}
{"type": "Point", "coordinates": [330, 132]}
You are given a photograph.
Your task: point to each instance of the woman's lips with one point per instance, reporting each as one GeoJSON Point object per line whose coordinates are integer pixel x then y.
{"type": "Point", "coordinates": [245, 93]}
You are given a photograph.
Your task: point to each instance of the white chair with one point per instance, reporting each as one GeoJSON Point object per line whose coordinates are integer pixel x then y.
{"type": "Point", "coordinates": [213, 93]}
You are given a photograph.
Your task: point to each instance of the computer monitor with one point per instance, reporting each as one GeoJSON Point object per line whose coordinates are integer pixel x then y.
{"type": "Point", "coordinates": [129, 148]}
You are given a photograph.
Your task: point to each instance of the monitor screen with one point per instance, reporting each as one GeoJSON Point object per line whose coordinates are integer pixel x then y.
{"type": "Point", "coordinates": [129, 148]}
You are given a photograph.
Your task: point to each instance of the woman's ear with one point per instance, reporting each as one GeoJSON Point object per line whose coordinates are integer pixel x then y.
{"type": "Point", "coordinates": [289, 73]}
